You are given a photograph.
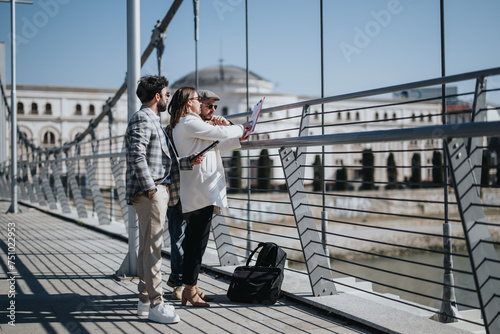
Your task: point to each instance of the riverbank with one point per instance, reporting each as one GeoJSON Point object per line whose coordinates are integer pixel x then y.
{"type": "Point", "coordinates": [362, 224]}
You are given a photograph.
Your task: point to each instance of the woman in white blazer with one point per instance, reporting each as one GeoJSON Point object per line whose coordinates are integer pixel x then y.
{"type": "Point", "coordinates": [203, 191]}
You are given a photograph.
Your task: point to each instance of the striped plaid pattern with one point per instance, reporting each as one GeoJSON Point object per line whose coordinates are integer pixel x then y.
{"type": "Point", "coordinates": [148, 156]}
{"type": "Point", "coordinates": [175, 176]}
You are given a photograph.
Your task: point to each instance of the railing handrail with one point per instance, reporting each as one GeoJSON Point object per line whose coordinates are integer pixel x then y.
{"type": "Point", "coordinates": [462, 130]}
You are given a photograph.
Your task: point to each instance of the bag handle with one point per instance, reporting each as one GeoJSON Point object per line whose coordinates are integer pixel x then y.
{"type": "Point", "coordinates": [261, 244]}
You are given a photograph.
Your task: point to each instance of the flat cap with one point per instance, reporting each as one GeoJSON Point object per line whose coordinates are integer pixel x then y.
{"type": "Point", "coordinates": [207, 94]}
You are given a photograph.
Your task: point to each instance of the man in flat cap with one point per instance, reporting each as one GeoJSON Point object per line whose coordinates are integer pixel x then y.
{"type": "Point", "coordinates": [208, 107]}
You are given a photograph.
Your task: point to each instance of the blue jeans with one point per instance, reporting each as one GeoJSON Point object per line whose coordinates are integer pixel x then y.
{"type": "Point", "coordinates": [176, 229]}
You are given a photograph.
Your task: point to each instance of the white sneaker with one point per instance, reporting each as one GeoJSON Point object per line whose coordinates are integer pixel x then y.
{"type": "Point", "coordinates": [143, 308]}
{"type": "Point", "coordinates": [163, 313]}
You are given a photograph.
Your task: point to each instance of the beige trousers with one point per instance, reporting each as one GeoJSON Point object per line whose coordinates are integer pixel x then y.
{"type": "Point", "coordinates": [151, 214]}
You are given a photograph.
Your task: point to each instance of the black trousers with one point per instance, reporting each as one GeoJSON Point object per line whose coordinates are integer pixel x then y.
{"type": "Point", "coordinates": [195, 242]}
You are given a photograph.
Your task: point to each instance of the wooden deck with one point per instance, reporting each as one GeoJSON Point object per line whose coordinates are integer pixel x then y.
{"type": "Point", "coordinates": [63, 284]}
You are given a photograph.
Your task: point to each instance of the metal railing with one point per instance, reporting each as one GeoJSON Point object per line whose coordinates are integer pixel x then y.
{"type": "Point", "coordinates": [364, 196]}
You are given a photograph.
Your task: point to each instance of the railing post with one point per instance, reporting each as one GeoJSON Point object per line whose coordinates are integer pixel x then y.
{"type": "Point", "coordinates": [223, 242]}
{"type": "Point", "coordinates": [44, 177]}
{"type": "Point", "coordinates": [75, 189]}
{"type": "Point", "coordinates": [464, 155]}
{"type": "Point", "coordinates": [61, 195]}
{"type": "Point", "coordinates": [37, 182]}
{"type": "Point", "coordinates": [4, 183]}
{"type": "Point", "coordinates": [317, 263]}
{"type": "Point", "coordinates": [23, 190]}
{"type": "Point", "coordinates": [31, 192]}
{"type": "Point", "coordinates": [102, 216]}
{"type": "Point", "coordinates": [448, 311]}
{"type": "Point", "coordinates": [324, 234]}
{"type": "Point", "coordinates": [117, 166]}
{"type": "Point", "coordinates": [303, 132]}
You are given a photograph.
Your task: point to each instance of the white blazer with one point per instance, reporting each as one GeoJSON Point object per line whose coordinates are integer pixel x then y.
{"type": "Point", "coordinates": [205, 184]}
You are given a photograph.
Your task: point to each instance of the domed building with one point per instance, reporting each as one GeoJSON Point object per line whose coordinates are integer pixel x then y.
{"type": "Point", "coordinates": [226, 79]}
{"type": "Point", "coordinates": [229, 82]}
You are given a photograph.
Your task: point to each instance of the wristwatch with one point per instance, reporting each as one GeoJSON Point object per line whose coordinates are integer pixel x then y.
{"type": "Point", "coordinates": [152, 191]}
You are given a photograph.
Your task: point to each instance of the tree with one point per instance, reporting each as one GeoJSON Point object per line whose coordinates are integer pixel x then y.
{"type": "Point", "coordinates": [485, 169]}
{"type": "Point", "coordinates": [498, 174]}
{"type": "Point", "coordinates": [341, 179]}
{"type": "Point", "coordinates": [416, 174]}
{"type": "Point", "coordinates": [494, 146]}
{"type": "Point", "coordinates": [437, 168]}
{"type": "Point", "coordinates": [367, 173]}
{"type": "Point", "coordinates": [234, 173]}
{"type": "Point", "coordinates": [318, 174]}
{"type": "Point", "coordinates": [392, 172]}
{"type": "Point", "coordinates": [264, 171]}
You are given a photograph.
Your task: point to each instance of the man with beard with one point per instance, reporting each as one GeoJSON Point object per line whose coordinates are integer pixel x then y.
{"type": "Point", "coordinates": [151, 164]}
{"type": "Point", "coordinates": [208, 107]}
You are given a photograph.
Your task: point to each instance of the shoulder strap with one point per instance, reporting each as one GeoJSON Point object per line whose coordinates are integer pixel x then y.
{"type": "Point", "coordinates": [253, 252]}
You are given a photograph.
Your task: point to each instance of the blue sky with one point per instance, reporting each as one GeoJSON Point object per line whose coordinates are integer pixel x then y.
{"type": "Point", "coordinates": [367, 43]}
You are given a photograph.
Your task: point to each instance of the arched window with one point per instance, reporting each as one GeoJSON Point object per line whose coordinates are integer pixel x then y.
{"type": "Point", "coordinates": [78, 109]}
{"type": "Point", "coordinates": [429, 117]}
{"type": "Point", "coordinates": [357, 116]}
{"type": "Point", "coordinates": [385, 115]}
{"type": "Point", "coordinates": [421, 117]}
{"type": "Point", "coordinates": [20, 108]}
{"type": "Point", "coordinates": [49, 138]}
{"type": "Point", "coordinates": [413, 117]}
{"type": "Point", "coordinates": [91, 110]}
{"type": "Point", "coordinates": [348, 116]}
{"type": "Point", "coordinates": [339, 116]}
{"type": "Point", "coordinates": [48, 109]}
{"type": "Point", "coordinates": [394, 115]}
{"type": "Point", "coordinates": [376, 116]}
{"type": "Point", "coordinates": [225, 111]}
{"type": "Point", "coordinates": [34, 108]}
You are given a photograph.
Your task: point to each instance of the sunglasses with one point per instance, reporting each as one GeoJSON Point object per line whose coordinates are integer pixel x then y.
{"type": "Point", "coordinates": [210, 106]}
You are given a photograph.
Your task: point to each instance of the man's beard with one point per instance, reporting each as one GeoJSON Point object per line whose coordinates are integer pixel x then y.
{"type": "Point", "coordinates": [208, 116]}
{"type": "Point", "coordinates": [162, 106]}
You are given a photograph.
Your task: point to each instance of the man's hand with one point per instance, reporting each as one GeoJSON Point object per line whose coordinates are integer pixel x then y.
{"type": "Point", "coordinates": [219, 120]}
{"type": "Point", "coordinates": [197, 161]}
{"type": "Point", "coordinates": [152, 192]}
{"type": "Point", "coordinates": [247, 125]}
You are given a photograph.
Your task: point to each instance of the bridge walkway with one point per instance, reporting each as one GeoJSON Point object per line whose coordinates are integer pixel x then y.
{"type": "Point", "coordinates": [64, 284]}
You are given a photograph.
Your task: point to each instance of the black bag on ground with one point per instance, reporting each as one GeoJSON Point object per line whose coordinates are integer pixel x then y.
{"type": "Point", "coordinates": [260, 283]}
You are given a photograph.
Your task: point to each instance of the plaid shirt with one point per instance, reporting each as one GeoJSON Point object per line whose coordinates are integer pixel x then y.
{"type": "Point", "coordinates": [175, 176]}
{"type": "Point", "coordinates": [149, 155]}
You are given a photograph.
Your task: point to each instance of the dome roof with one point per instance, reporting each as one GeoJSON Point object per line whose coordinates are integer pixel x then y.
{"type": "Point", "coordinates": [225, 75]}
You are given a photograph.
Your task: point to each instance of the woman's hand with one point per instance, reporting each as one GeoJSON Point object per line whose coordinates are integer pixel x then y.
{"type": "Point", "coordinates": [198, 160]}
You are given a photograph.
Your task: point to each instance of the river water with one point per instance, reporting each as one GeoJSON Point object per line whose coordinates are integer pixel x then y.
{"type": "Point", "coordinates": [422, 292]}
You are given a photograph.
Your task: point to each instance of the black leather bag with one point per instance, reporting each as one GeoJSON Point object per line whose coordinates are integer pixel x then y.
{"type": "Point", "coordinates": [259, 284]}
